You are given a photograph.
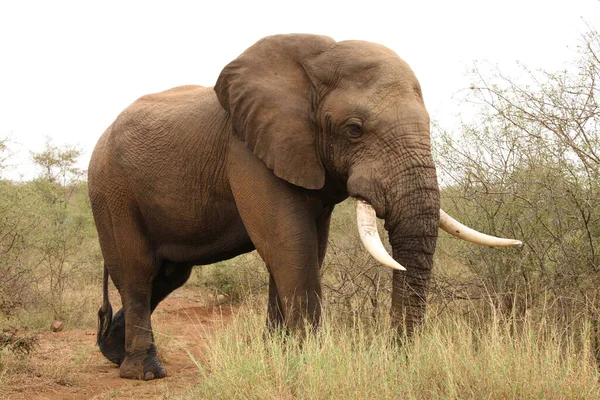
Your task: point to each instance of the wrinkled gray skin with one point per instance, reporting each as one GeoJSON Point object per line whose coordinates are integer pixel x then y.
{"type": "Point", "coordinates": [293, 126]}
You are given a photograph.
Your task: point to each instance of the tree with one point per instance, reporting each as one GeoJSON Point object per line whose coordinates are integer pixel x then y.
{"type": "Point", "coordinates": [48, 245]}
{"type": "Point", "coordinates": [58, 164]}
{"type": "Point", "coordinates": [531, 169]}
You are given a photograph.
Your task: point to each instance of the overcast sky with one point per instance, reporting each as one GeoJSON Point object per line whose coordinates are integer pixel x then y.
{"type": "Point", "coordinates": [67, 68]}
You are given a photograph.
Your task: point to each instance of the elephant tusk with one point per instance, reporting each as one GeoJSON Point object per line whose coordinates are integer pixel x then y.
{"type": "Point", "coordinates": [369, 236]}
{"type": "Point", "coordinates": [463, 232]}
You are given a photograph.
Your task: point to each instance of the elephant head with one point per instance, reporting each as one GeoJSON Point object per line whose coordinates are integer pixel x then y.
{"type": "Point", "coordinates": [349, 114]}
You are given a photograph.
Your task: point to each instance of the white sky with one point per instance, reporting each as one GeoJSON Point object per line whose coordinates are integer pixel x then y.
{"type": "Point", "coordinates": [67, 68]}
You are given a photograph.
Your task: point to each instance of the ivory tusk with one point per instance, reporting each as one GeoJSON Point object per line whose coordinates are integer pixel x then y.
{"type": "Point", "coordinates": [463, 232]}
{"type": "Point", "coordinates": [367, 230]}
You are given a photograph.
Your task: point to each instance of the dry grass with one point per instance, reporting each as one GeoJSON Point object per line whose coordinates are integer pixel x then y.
{"type": "Point", "coordinates": [453, 357]}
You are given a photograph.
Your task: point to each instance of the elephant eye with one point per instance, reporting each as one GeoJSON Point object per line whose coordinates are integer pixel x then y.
{"type": "Point", "coordinates": [354, 130]}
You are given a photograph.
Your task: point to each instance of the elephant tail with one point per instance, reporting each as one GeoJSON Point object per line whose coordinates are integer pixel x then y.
{"type": "Point", "coordinates": [105, 312]}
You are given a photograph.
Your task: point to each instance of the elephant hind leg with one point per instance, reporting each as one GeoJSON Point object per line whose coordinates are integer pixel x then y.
{"type": "Point", "coordinates": [170, 277]}
{"type": "Point", "coordinates": [111, 329]}
{"type": "Point", "coordinates": [131, 326]}
{"type": "Point", "coordinates": [141, 361]}
{"type": "Point", "coordinates": [112, 338]}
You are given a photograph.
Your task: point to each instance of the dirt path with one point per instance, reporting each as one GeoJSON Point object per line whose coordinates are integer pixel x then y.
{"type": "Point", "coordinates": [68, 365]}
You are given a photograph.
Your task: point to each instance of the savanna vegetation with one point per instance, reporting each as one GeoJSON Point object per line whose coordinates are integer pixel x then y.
{"type": "Point", "coordinates": [509, 323]}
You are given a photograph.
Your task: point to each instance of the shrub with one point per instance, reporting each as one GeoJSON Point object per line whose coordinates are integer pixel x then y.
{"type": "Point", "coordinates": [49, 252]}
{"type": "Point", "coordinates": [235, 279]}
{"type": "Point", "coordinates": [529, 169]}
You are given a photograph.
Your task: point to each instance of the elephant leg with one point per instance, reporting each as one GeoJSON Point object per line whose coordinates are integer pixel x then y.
{"type": "Point", "coordinates": [112, 338]}
{"type": "Point", "coordinates": [298, 288]}
{"type": "Point", "coordinates": [111, 329]}
{"type": "Point", "coordinates": [138, 270]}
{"type": "Point", "coordinates": [170, 277]}
{"type": "Point", "coordinates": [294, 265]}
{"type": "Point", "coordinates": [294, 284]}
{"type": "Point", "coordinates": [275, 319]}
{"type": "Point", "coordinates": [323, 222]}
{"type": "Point", "coordinates": [281, 222]}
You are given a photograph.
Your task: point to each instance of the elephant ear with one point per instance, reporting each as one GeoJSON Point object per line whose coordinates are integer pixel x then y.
{"type": "Point", "coordinates": [268, 96]}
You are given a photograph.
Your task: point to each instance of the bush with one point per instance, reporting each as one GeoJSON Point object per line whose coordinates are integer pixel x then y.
{"type": "Point", "coordinates": [236, 279]}
{"type": "Point", "coordinates": [354, 283]}
{"type": "Point", "coordinates": [49, 251]}
{"type": "Point", "coordinates": [529, 169]}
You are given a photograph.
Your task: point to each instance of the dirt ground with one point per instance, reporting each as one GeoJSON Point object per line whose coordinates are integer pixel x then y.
{"type": "Point", "coordinates": [68, 365]}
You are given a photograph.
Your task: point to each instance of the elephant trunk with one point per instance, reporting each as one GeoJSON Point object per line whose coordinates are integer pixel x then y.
{"type": "Point", "coordinates": [402, 188]}
{"type": "Point", "coordinates": [413, 236]}
{"type": "Point", "coordinates": [412, 220]}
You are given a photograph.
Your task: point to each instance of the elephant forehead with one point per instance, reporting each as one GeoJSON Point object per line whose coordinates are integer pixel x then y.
{"type": "Point", "coordinates": [357, 56]}
{"type": "Point", "coordinates": [379, 77]}
{"type": "Point", "coordinates": [383, 101]}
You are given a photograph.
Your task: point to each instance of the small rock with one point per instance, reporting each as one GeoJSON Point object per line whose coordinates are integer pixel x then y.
{"type": "Point", "coordinates": [57, 326]}
{"type": "Point", "coordinates": [220, 297]}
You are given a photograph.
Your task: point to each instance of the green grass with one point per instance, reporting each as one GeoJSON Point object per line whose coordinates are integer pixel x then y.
{"type": "Point", "coordinates": [450, 358]}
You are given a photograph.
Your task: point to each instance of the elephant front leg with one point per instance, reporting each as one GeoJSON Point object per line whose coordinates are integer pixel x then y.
{"type": "Point", "coordinates": [275, 319]}
{"type": "Point", "coordinates": [293, 313]}
{"type": "Point", "coordinates": [275, 313]}
{"type": "Point", "coordinates": [281, 220]}
{"type": "Point", "coordinates": [291, 252]}
{"type": "Point", "coordinates": [294, 283]}
{"type": "Point", "coordinates": [298, 300]}
{"type": "Point", "coordinates": [312, 303]}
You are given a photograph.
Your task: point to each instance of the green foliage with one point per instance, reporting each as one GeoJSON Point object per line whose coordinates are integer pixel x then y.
{"type": "Point", "coordinates": [235, 279]}
{"type": "Point", "coordinates": [529, 169]}
{"type": "Point", "coordinates": [58, 163]}
{"type": "Point", "coordinates": [48, 246]}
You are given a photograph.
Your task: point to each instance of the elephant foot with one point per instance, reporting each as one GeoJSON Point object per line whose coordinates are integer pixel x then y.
{"type": "Point", "coordinates": [111, 335]}
{"type": "Point", "coordinates": [146, 368]}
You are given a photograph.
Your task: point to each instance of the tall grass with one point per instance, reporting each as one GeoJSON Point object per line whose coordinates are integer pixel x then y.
{"type": "Point", "coordinates": [454, 356]}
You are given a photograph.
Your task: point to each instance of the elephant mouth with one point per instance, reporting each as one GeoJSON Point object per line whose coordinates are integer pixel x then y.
{"type": "Point", "coordinates": [366, 218]}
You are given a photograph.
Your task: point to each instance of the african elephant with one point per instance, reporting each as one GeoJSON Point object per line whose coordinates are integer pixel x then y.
{"type": "Point", "coordinates": [293, 126]}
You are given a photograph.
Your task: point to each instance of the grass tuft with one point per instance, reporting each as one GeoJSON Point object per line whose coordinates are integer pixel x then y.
{"type": "Point", "coordinates": [451, 358]}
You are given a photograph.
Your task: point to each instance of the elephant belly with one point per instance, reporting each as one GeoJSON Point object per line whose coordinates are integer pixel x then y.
{"type": "Point", "coordinates": [198, 235]}
{"type": "Point", "coordinates": [203, 253]}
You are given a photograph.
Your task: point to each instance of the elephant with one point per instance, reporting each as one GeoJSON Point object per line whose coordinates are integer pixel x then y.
{"type": "Point", "coordinates": [295, 125]}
